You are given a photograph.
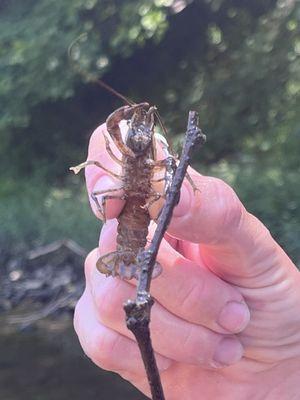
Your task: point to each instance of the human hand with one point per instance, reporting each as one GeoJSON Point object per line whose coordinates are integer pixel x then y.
{"type": "Point", "coordinates": [226, 321]}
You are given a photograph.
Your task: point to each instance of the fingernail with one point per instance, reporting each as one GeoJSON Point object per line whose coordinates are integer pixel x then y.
{"type": "Point", "coordinates": [184, 203]}
{"type": "Point", "coordinates": [234, 317]}
{"type": "Point", "coordinates": [229, 351]}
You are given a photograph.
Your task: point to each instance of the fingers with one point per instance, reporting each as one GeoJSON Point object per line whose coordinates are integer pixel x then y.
{"type": "Point", "coordinates": [106, 347]}
{"type": "Point", "coordinates": [194, 293]}
{"type": "Point", "coordinates": [189, 290]}
{"type": "Point", "coordinates": [198, 345]}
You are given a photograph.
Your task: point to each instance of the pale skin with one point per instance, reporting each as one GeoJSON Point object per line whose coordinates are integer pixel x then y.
{"type": "Point", "coordinates": [226, 322]}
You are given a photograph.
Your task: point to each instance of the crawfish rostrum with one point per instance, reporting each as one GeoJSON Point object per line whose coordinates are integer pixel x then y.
{"type": "Point", "coordinates": [139, 163]}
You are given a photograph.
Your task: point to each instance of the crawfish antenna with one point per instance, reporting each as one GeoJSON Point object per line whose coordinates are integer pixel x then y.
{"type": "Point", "coordinates": [162, 125]}
{"type": "Point", "coordinates": [164, 129]}
{"type": "Point", "coordinates": [88, 76]}
{"type": "Point", "coordinates": [111, 90]}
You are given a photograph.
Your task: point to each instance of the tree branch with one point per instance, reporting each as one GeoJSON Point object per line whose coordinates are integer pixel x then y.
{"type": "Point", "coordinates": [138, 311]}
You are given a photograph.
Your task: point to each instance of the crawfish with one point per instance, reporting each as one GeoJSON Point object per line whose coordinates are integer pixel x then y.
{"type": "Point", "coordinates": [139, 163]}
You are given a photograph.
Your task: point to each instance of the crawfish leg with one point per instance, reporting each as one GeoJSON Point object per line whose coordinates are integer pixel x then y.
{"type": "Point", "coordinates": [101, 208]}
{"type": "Point", "coordinates": [79, 167]}
{"type": "Point", "coordinates": [112, 125]}
{"type": "Point", "coordinates": [110, 152]}
{"type": "Point", "coordinates": [192, 183]}
{"type": "Point", "coordinates": [155, 197]}
{"type": "Point", "coordinates": [170, 164]}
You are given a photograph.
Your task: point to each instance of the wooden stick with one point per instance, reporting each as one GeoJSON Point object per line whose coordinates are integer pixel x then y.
{"type": "Point", "coordinates": [138, 310]}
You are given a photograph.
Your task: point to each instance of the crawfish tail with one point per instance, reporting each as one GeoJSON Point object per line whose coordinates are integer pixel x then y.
{"type": "Point", "coordinates": [133, 225]}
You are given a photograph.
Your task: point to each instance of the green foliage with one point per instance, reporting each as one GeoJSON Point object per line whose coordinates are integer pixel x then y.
{"type": "Point", "coordinates": [34, 214]}
{"type": "Point", "coordinates": [247, 81]}
{"type": "Point", "coordinates": [236, 61]}
{"type": "Point", "coordinates": [34, 41]}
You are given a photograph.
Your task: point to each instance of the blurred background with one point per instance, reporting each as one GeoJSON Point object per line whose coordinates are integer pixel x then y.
{"type": "Point", "coordinates": [235, 61]}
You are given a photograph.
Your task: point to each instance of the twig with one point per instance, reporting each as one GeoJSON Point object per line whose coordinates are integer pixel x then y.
{"type": "Point", "coordinates": [68, 244]}
{"type": "Point", "coordinates": [138, 311]}
{"type": "Point", "coordinates": [51, 308]}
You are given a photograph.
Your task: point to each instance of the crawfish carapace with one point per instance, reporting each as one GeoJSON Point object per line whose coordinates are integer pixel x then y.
{"type": "Point", "coordinates": [138, 166]}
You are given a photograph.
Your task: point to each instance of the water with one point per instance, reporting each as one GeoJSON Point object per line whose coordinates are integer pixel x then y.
{"type": "Point", "coordinates": [48, 364]}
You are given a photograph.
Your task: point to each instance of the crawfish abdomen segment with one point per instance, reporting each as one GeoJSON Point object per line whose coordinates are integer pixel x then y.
{"type": "Point", "coordinates": [133, 226]}
{"type": "Point", "coordinates": [133, 221]}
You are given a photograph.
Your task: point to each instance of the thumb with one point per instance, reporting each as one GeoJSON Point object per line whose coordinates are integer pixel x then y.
{"type": "Point", "coordinates": [231, 242]}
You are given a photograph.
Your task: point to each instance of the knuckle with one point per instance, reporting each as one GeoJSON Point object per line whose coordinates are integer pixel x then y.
{"type": "Point", "coordinates": [190, 296]}
{"type": "Point", "coordinates": [228, 209]}
{"type": "Point", "coordinates": [107, 300]}
{"type": "Point", "coordinates": [102, 348]}
{"type": "Point", "coordinates": [77, 313]}
{"type": "Point", "coordinates": [198, 344]}
{"type": "Point", "coordinates": [90, 263]}
{"type": "Point", "coordinates": [189, 341]}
